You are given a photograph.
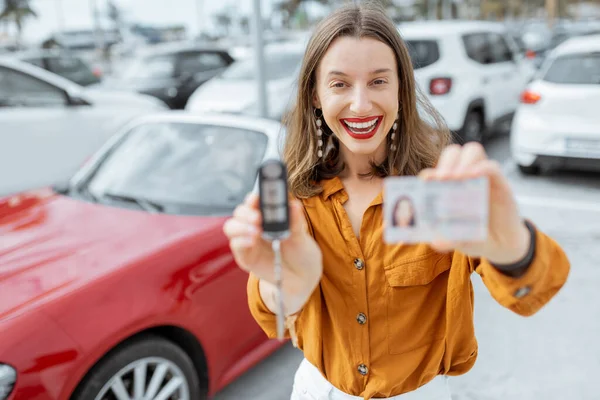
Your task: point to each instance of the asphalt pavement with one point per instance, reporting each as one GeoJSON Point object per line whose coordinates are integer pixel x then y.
{"type": "Point", "coordinates": [553, 355]}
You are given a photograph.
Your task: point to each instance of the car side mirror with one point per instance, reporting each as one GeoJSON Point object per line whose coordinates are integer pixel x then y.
{"type": "Point", "coordinates": [62, 187]}
{"type": "Point", "coordinates": [75, 100]}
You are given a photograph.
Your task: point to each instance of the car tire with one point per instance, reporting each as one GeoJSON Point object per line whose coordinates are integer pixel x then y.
{"type": "Point", "coordinates": [473, 127]}
{"type": "Point", "coordinates": [157, 354]}
{"type": "Point", "coordinates": [529, 169]}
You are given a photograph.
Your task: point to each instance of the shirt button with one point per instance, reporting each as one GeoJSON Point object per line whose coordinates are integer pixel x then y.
{"type": "Point", "coordinates": [363, 370]}
{"type": "Point", "coordinates": [361, 318]}
{"type": "Point", "coordinates": [359, 264]}
{"type": "Point", "coordinates": [522, 292]}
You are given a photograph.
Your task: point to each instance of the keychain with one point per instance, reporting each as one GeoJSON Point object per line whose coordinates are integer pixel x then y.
{"type": "Point", "coordinates": [273, 191]}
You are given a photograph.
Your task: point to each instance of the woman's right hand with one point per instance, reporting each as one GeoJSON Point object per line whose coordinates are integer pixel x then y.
{"type": "Point", "coordinates": [301, 256]}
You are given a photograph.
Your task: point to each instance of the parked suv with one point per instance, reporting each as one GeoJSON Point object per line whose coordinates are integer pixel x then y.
{"type": "Point", "coordinates": [50, 125]}
{"type": "Point", "coordinates": [557, 123]}
{"type": "Point", "coordinates": [171, 72]}
{"type": "Point", "coordinates": [471, 71]}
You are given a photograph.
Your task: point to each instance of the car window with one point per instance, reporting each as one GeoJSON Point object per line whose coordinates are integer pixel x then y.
{"type": "Point", "coordinates": [423, 52]}
{"type": "Point", "coordinates": [278, 66]}
{"type": "Point", "coordinates": [520, 44]}
{"type": "Point", "coordinates": [499, 49]}
{"type": "Point", "coordinates": [189, 168]}
{"type": "Point", "coordinates": [151, 67]}
{"type": "Point", "coordinates": [73, 69]}
{"type": "Point", "coordinates": [575, 69]}
{"type": "Point", "coordinates": [38, 62]}
{"type": "Point", "coordinates": [200, 62]}
{"type": "Point", "coordinates": [477, 47]}
{"type": "Point", "coordinates": [18, 89]}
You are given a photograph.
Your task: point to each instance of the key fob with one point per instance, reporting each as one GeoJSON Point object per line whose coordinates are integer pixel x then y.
{"type": "Point", "coordinates": [273, 193]}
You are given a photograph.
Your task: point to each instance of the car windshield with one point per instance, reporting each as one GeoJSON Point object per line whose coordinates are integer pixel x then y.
{"type": "Point", "coordinates": [150, 67]}
{"type": "Point", "coordinates": [184, 168]}
{"type": "Point", "coordinates": [575, 69]}
{"type": "Point", "coordinates": [423, 52]}
{"type": "Point", "coordinates": [278, 66]}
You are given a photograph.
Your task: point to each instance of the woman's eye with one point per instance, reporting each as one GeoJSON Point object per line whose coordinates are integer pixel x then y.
{"type": "Point", "coordinates": [338, 85]}
{"type": "Point", "coordinates": [379, 81]}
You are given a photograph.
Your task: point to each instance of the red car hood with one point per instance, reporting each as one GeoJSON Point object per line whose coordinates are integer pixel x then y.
{"type": "Point", "coordinates": [49, 242]}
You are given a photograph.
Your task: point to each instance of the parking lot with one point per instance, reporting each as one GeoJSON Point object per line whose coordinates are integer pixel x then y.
{"type": "Point", "coordinates": [124, 150]}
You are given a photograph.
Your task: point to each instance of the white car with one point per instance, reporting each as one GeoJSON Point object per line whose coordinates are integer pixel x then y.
{"type": "Point", "coordinates": [235, 90]}
{"type": "Point", "coordinates": [50, 125]}
{"type": "Point", "coordinates": [471, 71]}
{"type": "Point", "coordinates": [558, 122]}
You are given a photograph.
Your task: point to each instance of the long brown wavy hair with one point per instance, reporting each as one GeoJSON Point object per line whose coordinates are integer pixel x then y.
{"type": "Point", "coordinates": [418, 143]}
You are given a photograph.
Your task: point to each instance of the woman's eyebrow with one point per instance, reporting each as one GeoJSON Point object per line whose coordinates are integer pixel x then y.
{"type": "Point", "coordinates": [374, 72]}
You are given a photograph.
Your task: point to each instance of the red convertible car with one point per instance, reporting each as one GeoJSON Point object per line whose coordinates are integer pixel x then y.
{"type": "Point", "coordinates": [120, 283]}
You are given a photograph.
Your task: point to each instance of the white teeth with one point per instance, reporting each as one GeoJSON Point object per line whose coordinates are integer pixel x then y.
{"type": "Point", "coordinates": [361, 125]}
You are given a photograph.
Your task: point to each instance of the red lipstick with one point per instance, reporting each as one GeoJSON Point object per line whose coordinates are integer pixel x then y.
{"type": "Point", "coordinates": [366, 135]}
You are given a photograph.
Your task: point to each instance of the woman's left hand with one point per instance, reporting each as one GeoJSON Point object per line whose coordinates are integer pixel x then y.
{"type": "Point", "coordinates": [508, 238]}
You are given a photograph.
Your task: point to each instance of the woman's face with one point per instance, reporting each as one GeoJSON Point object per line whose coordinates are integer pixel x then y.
{"type": "Point", "coordinates": [404, 213]}
{"type": "Point", "coordinates": [357, 90]}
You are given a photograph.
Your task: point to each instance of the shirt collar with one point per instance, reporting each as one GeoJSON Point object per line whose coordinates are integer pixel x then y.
{"type": "Point", "coordinates": [331, 187]}
{"type": "Point", "coordinates": [335, 185]}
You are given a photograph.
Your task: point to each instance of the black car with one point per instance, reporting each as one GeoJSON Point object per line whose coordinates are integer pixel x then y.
{"type": "Point", "coordinates": [171, 73]}
{"type": "Point", "coordinates": [62, 63]}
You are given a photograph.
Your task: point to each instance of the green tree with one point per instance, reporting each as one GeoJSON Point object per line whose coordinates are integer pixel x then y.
{"type": "Point", "coordinates": [224, 20]}
{"type": "Point", "coordinates": [290, 7]}
{"type": "Point", "coordinates": [17, 11]}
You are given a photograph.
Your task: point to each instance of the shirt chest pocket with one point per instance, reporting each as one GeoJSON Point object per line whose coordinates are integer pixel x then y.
{"type": "Point", "coordinates": [416, 301]}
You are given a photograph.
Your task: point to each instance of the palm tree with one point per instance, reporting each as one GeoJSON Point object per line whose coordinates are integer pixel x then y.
{"type": "Point", "coordinates": [17, 11]}
{"type": "Point", "coordinates": [289, 8]}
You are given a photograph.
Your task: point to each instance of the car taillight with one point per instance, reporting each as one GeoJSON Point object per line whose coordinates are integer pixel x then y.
{"type": "Point", "coordinates": [530, 54]}
{"type": "Point", "coordinates": [530, 97]}
{"type": "Point", "coordinates": [439, 86]}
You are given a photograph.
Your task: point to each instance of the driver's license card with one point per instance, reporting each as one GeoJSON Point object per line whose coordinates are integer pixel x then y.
{"type": "Point", "coordinates": [423, 211]}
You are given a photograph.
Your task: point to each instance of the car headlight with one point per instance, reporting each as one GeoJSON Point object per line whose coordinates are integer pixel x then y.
{"type": "Point", "coordinates": [8, 377]}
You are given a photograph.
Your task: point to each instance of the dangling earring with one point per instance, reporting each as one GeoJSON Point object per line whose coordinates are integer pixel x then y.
{"type": "Point", "coordinates": [393, 133]}
{"type": "Point", "coordinates": [318, 114]}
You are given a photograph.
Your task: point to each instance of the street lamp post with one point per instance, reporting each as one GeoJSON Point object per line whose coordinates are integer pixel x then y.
{"type": "Point", "coordinates": [199, 17]}
{"type": "Point", "coordinates": [259, 60]}
{"type": "Point", "coordinates": [98, 33]}
{"type": "Point", "coordinates": [60, 15]}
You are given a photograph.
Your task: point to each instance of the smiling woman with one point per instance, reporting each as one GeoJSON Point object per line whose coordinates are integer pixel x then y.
{"type": "Point", "coordinates": [364, 89]}
{"type": "Point", "coordinates": [377, 319]}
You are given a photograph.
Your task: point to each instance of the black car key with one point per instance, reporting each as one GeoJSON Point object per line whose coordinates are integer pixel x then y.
{"type": "Point", "coordinates": [272, 180]}
{"type": "Point", "coordinates": [273, 192]}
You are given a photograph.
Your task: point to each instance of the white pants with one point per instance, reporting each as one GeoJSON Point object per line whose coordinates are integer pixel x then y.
{"type": "Point", "coordinates": [309, 384]}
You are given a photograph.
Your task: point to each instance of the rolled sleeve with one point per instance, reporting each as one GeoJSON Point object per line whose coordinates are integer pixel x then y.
{"type": "Point", "coordinates": [528, 293]}
{"type": "Point", "coordinates": [265, 318]}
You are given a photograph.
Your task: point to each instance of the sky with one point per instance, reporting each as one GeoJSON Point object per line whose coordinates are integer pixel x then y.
{"type": "Point", "coordinates": [78, 13]}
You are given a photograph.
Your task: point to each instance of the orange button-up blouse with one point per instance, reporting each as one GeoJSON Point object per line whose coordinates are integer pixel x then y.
{"type": "Point", "coordinates": [386, 319]}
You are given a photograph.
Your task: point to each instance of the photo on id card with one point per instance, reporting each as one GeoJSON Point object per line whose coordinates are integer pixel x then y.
{"type": "Point", "coordinates": [418, 211]}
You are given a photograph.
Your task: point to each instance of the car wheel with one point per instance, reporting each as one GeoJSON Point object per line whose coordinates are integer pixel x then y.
{"type": "Point", "coordinates": [148, 368]}
{"type": "Point", "coordinates": [530, 169]}
{"type": "Point", "coordinates": [472, 130]}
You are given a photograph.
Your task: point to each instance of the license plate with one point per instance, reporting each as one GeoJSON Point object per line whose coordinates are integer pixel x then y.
{"type": "Point", "coordinates": [583, 145]}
